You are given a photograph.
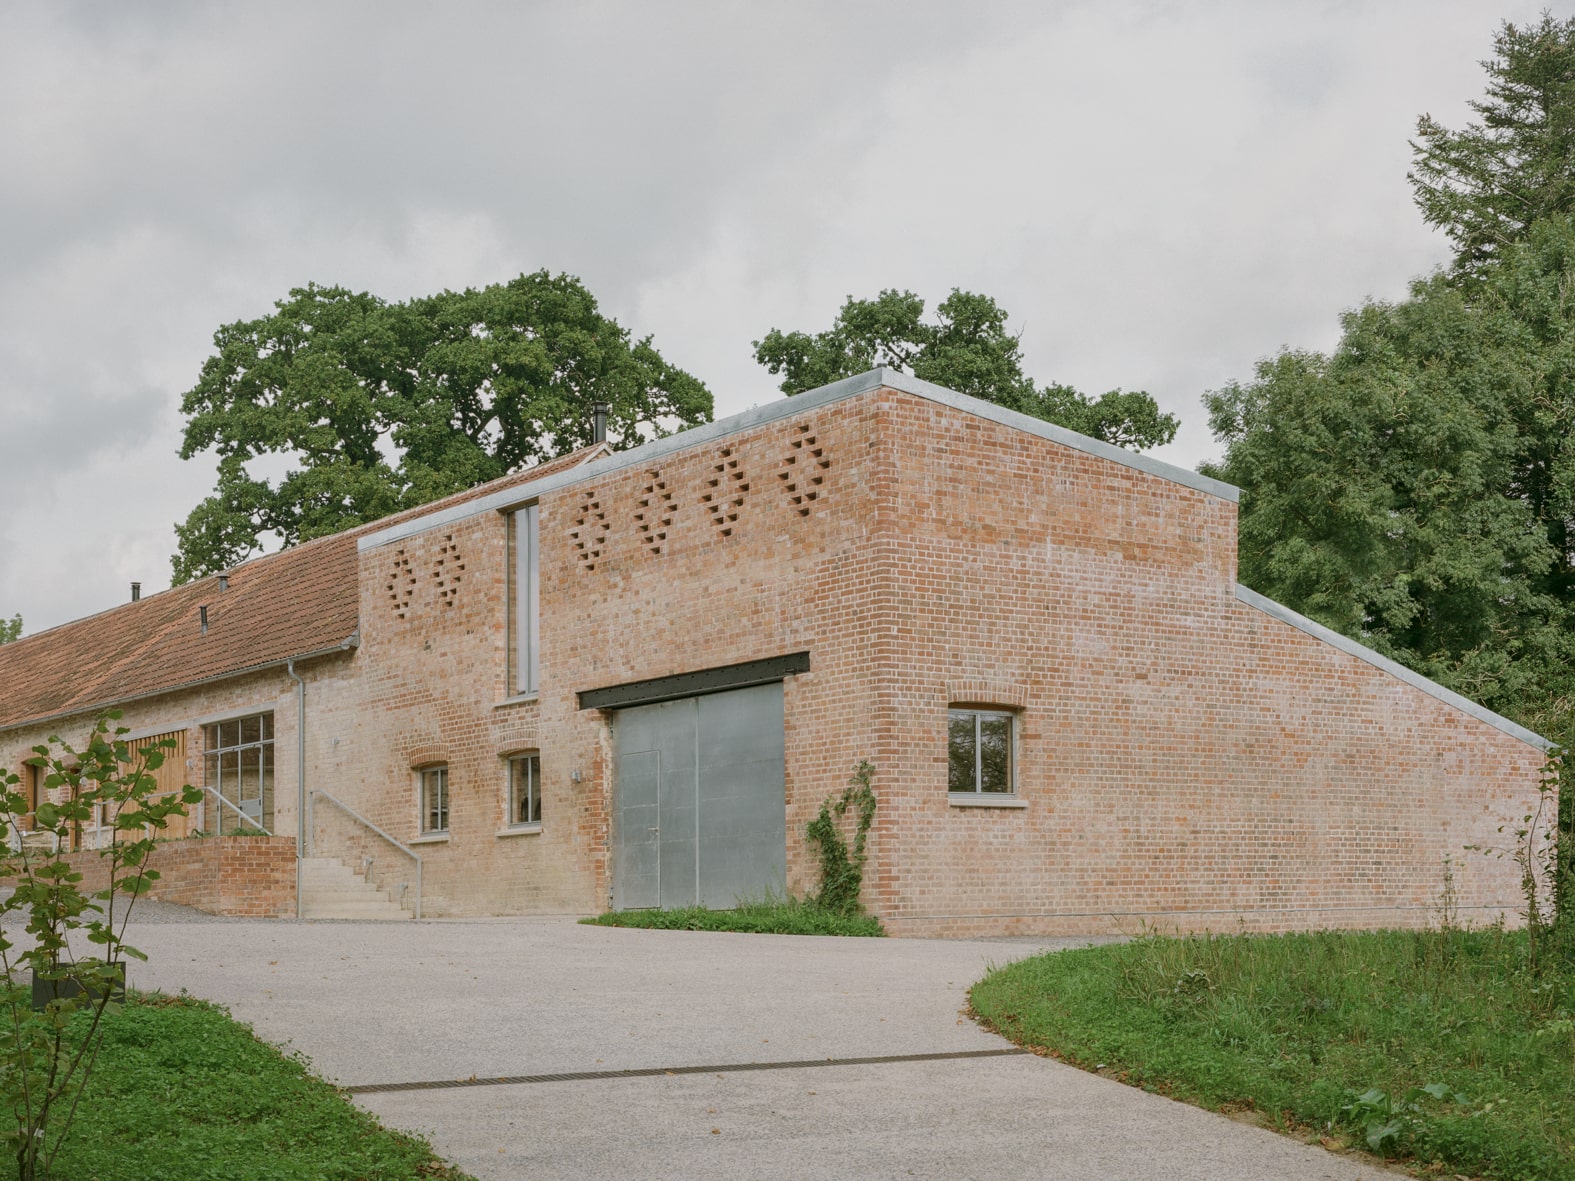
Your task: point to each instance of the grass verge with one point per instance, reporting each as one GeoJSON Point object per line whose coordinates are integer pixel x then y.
{"type": "Point", "coordinates": [796, 916]}
{"type": "Point", "coordinates": [1332, 1035]}
{"type": "Point", "coordinates": [182, 1091]}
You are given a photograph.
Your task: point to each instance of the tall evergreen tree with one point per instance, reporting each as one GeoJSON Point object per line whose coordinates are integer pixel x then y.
{"type": "Point", "coordinates": [1488, 184]}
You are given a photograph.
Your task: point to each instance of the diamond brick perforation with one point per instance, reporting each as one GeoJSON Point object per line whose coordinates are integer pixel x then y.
{"type": "Point", "coordinates": [401, 584]}
{"type": "Point", "coordinates": [588, 537]}
{"type": "Point", "coordinates": [803, 469]}
{"type": "Point", "coordinates": [448, 571]}
{"type": "Point", "coordinates": [725, 491]}
{"type": "Point", "coordinates": [654, 515]}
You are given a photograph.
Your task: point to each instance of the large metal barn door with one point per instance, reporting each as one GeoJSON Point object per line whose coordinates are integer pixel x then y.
{"type": "Point", "coordinates": [699, 810]}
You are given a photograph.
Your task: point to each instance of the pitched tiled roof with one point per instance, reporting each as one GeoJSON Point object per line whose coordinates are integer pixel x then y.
{"type": "Point", "coordinates": [286, 604]}
{"type": "Point", "coordinates": [293, 603]}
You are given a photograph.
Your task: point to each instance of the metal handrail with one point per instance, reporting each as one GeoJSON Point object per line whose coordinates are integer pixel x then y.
{"type": "Point", "coordinates": [255, 824]}
{"type": "Point", "coordinates": [16, 837]}
{"type": "Point", "coordinates": [365, 823]}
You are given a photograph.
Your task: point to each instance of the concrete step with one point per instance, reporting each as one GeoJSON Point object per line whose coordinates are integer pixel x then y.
{"type": "Point", "coordinates": [331, 890]}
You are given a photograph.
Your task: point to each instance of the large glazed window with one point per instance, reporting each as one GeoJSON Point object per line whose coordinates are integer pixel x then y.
{"type": "Point", "coordinates": [238, 764]}
{"type": "Point", "coordinates": [527, 592]}
{"type": "Point", "coordinates": [979, 752]}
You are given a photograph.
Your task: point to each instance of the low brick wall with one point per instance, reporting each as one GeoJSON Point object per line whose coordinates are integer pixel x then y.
{"type": "Point", "coordinates": [247, 877]}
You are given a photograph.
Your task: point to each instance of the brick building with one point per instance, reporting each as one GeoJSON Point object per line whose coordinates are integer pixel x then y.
{"type": "Point", "coordinates": [631, 679]}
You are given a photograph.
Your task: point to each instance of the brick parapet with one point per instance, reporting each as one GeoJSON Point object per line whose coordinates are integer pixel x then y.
{"type": "Point", "coordinates": [243, 877]}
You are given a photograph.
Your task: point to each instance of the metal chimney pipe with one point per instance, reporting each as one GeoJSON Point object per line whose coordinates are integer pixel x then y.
{"type": "Point", "coordinates": [202, 615]}
{"type": "Point", "coordinates": [599, 412]}
{"type": "Point", "coordinates": [224, 583]}
{"type": "Point", "coordinates": [136, 591]}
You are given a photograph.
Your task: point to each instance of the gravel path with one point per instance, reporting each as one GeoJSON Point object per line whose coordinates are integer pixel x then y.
{"type": "Point", "coordinates": [473, 1000]}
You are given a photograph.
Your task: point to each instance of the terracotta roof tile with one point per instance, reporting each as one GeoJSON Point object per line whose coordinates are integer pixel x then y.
{"type": "Point", "coordinates": [298, 601]}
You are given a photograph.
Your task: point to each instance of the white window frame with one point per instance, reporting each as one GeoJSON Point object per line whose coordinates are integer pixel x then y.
{"type": "Point", "coordinates": [525, 676]}
{"type": "Point", "coordinates": [532, 759]}
{"type": "Point", "coordinates": [977, 796]}
{"type": "Point", "coordinates": [436, 773]}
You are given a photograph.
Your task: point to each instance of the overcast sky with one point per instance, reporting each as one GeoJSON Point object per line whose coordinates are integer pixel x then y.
{"type": "Point", "coordinates": [1160, 194]}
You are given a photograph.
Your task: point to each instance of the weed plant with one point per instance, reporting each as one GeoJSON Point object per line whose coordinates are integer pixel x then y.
{"type": "Point", "coordinates": [842, 868]}
{"type": "Point", "coordinates": [182, 1091]}
{"type": "Point", "coordinates": [1444, 1046]}
{"type": "Point", "coordinates": [792, 916]}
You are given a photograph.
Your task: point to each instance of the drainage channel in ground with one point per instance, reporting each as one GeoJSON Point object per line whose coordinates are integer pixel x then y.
{"type": "Point", "coordinates": [662, 1071]}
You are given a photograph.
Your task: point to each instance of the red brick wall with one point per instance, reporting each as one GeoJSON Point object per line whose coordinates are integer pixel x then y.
{"type": "Point", "coordinates": [1183, 758]}
{"type": "Point", "coordinates": [433, 667]}
{"type": "Point", "coordinates": [251, 877]}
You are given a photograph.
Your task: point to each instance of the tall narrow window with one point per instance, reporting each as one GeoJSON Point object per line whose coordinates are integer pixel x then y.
{"type": "Point", "coordinates": [527, 589]}
{"type": "Point", "coordinates": [434, 800]}
{"type": "Point", "coordinates": [524, 790]}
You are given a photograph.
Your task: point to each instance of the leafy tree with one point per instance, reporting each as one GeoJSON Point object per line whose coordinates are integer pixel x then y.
{"type": "Point", "coordinates": [1416, 489]}
{"type": "Point", "coordinates": [383, 406]}
{"type": "Point", "coordinates": [1486, 185]}
{"type": "Point", "coordinates": [10, 629]}
{"type": "Point", "coordinates": [968, 349]}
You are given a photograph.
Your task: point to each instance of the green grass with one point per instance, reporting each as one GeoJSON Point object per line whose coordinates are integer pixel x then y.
{"type": "Point", "coordinates": [796, 916]}
{"type": "Point", "coordinates": [1296, 1027]}
{"type": "Point", "coordinates": [182, 1092]}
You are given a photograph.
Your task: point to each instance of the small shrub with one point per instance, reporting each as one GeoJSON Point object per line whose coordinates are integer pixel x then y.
{"type": "Point", "coordinates": [47, 1054]}
{"type": "Point", "coordinates": [1544, 851]}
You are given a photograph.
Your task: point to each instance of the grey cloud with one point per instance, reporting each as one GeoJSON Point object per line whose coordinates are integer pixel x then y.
{"type": "Point", "coordinates": [1160, 193]}
{"type": "Point", "coordinates": [362, 113]}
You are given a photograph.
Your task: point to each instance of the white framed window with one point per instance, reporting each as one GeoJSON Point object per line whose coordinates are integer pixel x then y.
{"type": "Point", "coordinates": [524, 805]}
{"type": "Point", "coordinates": [432, 793]}
{"type": "Point", "coordinates": [527, 606]}
{"type": "Point", "coordinates": [980, 753]}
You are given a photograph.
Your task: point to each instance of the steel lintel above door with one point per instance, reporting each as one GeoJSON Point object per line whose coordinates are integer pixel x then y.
{"type": "Point", "coordinates": [711, 680]}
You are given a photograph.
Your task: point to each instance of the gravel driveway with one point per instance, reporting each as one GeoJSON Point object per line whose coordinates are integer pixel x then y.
{"type": "Point", "coordinates": [390, 1006]}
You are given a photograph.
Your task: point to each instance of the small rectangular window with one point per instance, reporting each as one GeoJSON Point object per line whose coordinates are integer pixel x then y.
{"type": "Point", "coordinates": [979, 752]}
{"type": "Point", "coordinates": [527, 590]}
{"type": "Point", "coordinates": [434, 800]}
{"type": "Point", "coordinates": [525, 790]}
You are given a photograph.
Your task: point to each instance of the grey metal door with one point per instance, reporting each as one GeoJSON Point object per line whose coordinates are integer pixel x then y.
{"type": "Point", "coordinates": [699, 813]}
